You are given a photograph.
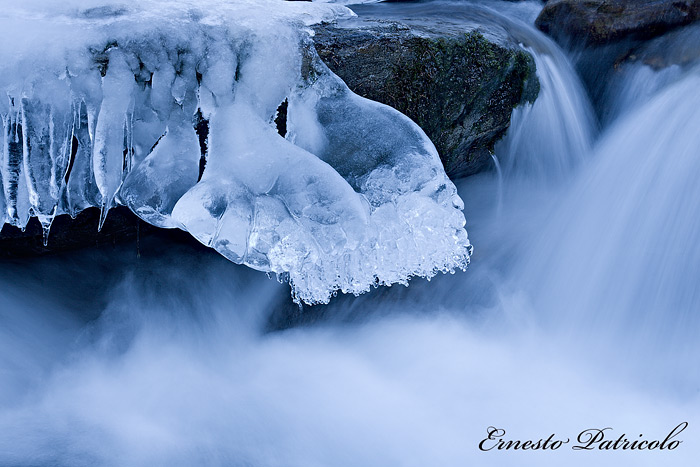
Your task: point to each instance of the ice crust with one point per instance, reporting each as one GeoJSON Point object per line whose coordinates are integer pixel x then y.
{"type": "Point", "coordinates": [101, 105]}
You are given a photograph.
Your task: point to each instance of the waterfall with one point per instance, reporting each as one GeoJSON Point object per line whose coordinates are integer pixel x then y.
{"type": "Point", "coordinates": [550, 138]}
{"type": "Point", "coordinates": [579, 310]}
{"type": "Point", "coordinates": [625, 237]}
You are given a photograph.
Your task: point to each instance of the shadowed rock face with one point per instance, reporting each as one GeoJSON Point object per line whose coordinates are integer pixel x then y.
{"type": "Point", "coordinates": [597, 22]}
{"type": "Point", "coordinates": [679, 47]}
{"type": "Point", "coordinates": [458, 86]}
{"type": "Point", "coordinates": [68, 233]}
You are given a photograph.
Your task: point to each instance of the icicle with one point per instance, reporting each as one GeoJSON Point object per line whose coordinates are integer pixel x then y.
{"type": "Point", "coordinates": [14, 184]}
{"type": "Point", "coordinates": [61, 133]}
{"type": "Point", "coordinates": [108, 149]}
{"type": "Point", "coordinates": [5, 171]}
{"type": "Point", "coordinates": [37, 159]}
{"type": "Point", "coordinates": [3, 205]}
{"type": "Point", "coordinates": [46, 222]}
{"type": "Point", "coordinates": [81, 189]}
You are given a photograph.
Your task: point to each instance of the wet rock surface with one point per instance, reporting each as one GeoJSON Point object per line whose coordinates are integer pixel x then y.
{"type": "Point", "coordinates": [457, 84]}
{"type": "Point", "coordinates": [598, 22]}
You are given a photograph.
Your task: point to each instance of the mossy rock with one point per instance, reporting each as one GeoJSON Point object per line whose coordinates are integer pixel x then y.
{"type": "Point", "coordinates": [459, 87]}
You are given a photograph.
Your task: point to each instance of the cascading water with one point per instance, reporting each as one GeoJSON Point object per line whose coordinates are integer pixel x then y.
{"type": "Point", "coordinates": [579, 311]}
{"type": "Point", "coordinates": [627, 259]}
{"type": "Point", "coordinates": [561, 117]}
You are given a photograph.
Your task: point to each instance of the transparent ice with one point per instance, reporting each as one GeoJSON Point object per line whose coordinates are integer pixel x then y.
{"type": "Point", "coordinates": [101, 105]}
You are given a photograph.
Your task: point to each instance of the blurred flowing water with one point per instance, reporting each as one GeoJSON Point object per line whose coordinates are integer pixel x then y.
{"type": "Point", "coordinates": [580, 310]}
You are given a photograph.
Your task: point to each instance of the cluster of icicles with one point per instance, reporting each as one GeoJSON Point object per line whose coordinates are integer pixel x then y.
{"type": "Point", "coordinates": [353, 195]}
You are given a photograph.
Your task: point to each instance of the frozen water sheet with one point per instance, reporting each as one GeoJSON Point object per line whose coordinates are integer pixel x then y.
{"type": "Point", "coordinates": [100, 109]}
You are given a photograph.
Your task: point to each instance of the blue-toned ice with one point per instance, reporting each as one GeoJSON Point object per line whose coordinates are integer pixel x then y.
{"type": "Point", "coordinates": [353, 196]}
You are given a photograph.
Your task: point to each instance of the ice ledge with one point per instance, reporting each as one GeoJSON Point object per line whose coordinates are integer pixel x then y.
{"type": "Point", "coordinates": [353, 197]}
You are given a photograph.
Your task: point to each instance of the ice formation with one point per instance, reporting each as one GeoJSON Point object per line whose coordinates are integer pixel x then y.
{"type": "Point", "coordinates": [101, 109]}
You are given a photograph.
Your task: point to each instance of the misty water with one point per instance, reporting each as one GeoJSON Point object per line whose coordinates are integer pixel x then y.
{"type": "Point", "coordinates": [579, 310]}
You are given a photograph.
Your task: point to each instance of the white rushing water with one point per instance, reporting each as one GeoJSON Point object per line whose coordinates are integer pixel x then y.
{"type": "Point", "coordinates": [561, 117]}
{"type": "Point", "coordinates": [579, 311]}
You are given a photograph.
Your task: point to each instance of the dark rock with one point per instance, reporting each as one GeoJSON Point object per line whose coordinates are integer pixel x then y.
{"type": "Point", "coordinates": [457, 85]}
{"type": "Point", "coordinates": [68, 234]}
{"type": "Point", "coordinates": [597, 22]}
{"type": "Point", "coordinates": [680, 47]}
